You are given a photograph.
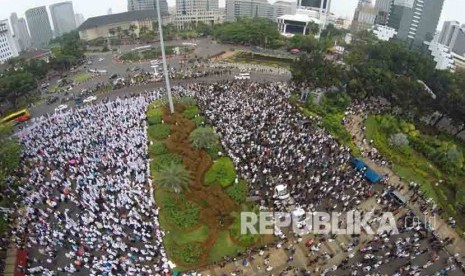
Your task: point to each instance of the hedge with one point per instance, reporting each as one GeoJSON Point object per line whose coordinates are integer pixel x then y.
{"type": "Point", "coordinates": [238, 192]}
{"type": "Point", "coordinates": [222, 172]}
{"type": "Point", "coordinates": [158, 131]}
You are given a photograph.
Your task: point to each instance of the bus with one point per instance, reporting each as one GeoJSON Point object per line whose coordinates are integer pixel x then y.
{"type": "Point", "coordinates": [17, 117]}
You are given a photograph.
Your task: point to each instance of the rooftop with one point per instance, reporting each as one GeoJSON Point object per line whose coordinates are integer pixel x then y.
{"type": "Point", "coordinates": [117, 18]}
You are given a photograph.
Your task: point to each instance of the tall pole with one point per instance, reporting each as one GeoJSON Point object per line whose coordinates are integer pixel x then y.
{"type": "Point", "coordinates": [165, 66]}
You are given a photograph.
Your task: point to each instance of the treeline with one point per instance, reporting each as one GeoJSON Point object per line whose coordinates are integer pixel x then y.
{"type": "Point", "coordinates": [374, 68]}
{"type": "Point", "coordinates": [20, 77]}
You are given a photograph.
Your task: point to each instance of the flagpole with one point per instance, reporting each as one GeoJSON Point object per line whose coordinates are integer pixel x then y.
{"type": "Point", "coordinates": [165, 66]}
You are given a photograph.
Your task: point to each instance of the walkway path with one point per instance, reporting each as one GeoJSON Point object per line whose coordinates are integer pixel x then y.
{"type": "Point", "coordinates": [356, 127]}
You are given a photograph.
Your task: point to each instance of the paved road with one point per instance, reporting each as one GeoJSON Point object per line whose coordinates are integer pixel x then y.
{"type": "Point", "coordinates": [43, 108]}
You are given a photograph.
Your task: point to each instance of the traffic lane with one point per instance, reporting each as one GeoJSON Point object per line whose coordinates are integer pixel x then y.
{"type": "Point", "coordinates": [43, 109]}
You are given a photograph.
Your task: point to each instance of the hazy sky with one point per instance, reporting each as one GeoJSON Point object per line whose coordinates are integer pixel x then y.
{"type": "Point", "coordinates": [453, 9]}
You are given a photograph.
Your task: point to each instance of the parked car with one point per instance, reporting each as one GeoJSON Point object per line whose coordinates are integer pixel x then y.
{"type": "Point", "coordinates": [242, 76]}
{"type": "Point", "coordinates": [90, 99]}
{"type": "Point", "coordinates": [61, 108]}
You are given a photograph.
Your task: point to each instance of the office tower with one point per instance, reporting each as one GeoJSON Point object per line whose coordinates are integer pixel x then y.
{"type": "Point", "coordinates": [39, 27]}
{"type": "Point", "coordinates": [382, 7]}
{"type": "Point", "coordinates": [7, 43]}
{"type": "Point", "coordinates": [283, 7]}
{"type": "Point", "coordinates": [453, 36]}
{"type": "Point", "coordinates": [190, 12]}
{"type": "Point", "coordinates": [138, 5]}
{"type": "Point", "coordinates": [248, 8]}
{"type": "Point", "coordinates": [79, 18]}
{"type": "Point", "coordinates": [19, 27]}
{"type": "Point", "coordinates": [110, 11]}
{"type": "Point", "coordinates": [63, 17]}
{"type": "Point", "coordinates": [415, 20]}
{"type": "Point", "coordinates": [364, 16]}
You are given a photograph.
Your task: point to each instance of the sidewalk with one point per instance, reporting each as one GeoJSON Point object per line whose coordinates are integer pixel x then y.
{"type": "Point", "coordinates": [441, 227]}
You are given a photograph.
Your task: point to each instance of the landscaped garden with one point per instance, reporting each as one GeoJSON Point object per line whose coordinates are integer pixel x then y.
{"type": "Point", "coordinates": [196, 188]}
{"type": "Point", "coordinates": [435, 162]}
{"type": "Point", "coordinates": [331, 110]}
{"type": "Point", "coordinates": [259, 59]}
{"type": "Point", "coordinates": [152, 53]}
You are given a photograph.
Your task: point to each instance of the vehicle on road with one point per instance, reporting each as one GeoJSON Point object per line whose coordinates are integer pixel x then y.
{"type": "Point", "coordinates": [61, 107]}
{"type": "Point", "coordinates": [17, 117]}
{"type": "Point", "coordinates": [90, 99]}
{"type": "Point", "coordinates": [242, 76]}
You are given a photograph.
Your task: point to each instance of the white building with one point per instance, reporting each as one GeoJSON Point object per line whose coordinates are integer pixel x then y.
{"type": "Point", "coordinates": [248, 8]}
{"type": "Point", "coordinates": [139, 5]}
{"type": "Point", "coordinates": [384, 33]}
{"type": "Point", "coordinates": [289, 25]}
{"type": "Point", "coordinates": [459, 60]}
{"type": "Point", "coordinates": [453, 36]}
{"type": "Point", "coordinates": [441, 55]}
{"type": "Point", "coordinates": [7, 44]}
{"type": "Point", "coordinates": [283, 7]}
{"type": "Point", "coordinates": [190, 12]}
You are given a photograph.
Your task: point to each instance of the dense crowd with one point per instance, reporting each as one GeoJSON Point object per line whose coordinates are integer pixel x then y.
{"type": "Point", "coordinates": [272, 144]}
{"type": "Point", "coordinates": [86, 188]}
{"type": "Point", "coordinates": [87, 208]}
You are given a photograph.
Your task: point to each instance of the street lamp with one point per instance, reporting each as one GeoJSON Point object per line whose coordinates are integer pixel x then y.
{"type": "Point", "coordinates": [165, 66]}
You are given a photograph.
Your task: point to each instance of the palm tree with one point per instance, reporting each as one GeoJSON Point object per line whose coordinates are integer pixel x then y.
{"type": "Point", "coordinates": [203, 138]}
{"type": "Point", "coordinates": [174, 178]}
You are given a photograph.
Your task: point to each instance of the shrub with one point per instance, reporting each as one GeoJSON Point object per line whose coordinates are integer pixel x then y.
{"type": "Point", "coordinates": [187, 253]}
{"type": "Point", "coordinates": [159, 131]}
{"type": "Point", "coordinates": [161, 161]}
{"type": "Point", "coordinates": [154, 116]}
{"type": "Point", "coordinates": [199, 121]}
{"type": "Point", "coordinates": [238, 192]}
{"type": "Point", "coordinates": [214, 150]}
{"type": "Point", "coordinates": [158, 148]}
{"type": "Point", "coordinates": [181, 212]}
{"type": "Point", "coordinates": [222, 172]}
{"type": "Point", "coordinates": [191, 112]}
{"type": "Point", "coordinates": [399, 140]}
{"type": "Point", "coordinates": [203, 138]}
{"type": "Point", "coordinates": [187, 102]}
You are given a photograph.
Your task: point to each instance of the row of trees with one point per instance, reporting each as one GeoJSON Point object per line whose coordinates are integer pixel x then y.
{"type": "Point", "coordinates": [22, 76]}
{"type": "Point", "coordinates": [388, 69]}
{"type": "Point", "coordinates": [251, 31]}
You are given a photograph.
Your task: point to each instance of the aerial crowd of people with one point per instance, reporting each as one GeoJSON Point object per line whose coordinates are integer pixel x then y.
{"type": "Point", "coordinates": [86, 188]}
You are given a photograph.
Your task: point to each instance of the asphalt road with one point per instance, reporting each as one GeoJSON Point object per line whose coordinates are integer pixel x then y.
{"type": "Point", "coordinates": [44, 108]}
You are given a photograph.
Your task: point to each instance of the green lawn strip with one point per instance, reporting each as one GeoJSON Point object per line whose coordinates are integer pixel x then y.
{"type": "Point", "coordinates": [224, 246]}
{"type": "Point", "coordinates": [82, 77]}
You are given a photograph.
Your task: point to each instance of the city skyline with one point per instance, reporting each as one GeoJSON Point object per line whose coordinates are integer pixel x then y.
{"type": "Point", "coordinates": [345, 8]}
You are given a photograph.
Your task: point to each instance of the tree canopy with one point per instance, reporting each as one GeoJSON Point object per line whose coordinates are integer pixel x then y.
{"type": "Point", "coordinates": [253, 31]}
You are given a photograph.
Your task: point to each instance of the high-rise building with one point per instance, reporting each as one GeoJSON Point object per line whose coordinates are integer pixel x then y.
{"type": "Point", "coordinates": [7, 43]}
{"type": "Point", "coordinates": [139, 5]}
{"type": "Point", "coordinates": [364, 16]}
{"type": "Point", "coordinates": [415, 20]}
{"type": "Point", "coordinates": [248, 8]}
{"type": "Point", "coordinates": [39, 27]}
{"type": "Point", "coordinates": [453, 37]}
{"type": "Point", "coordinates": [21, 34]}
{"type": "Point", "coordinates": [79, 18]}
{"type": "Point", "coordinates": [283, 7]}
{"type": "Point", "coordinates": [190, 12]}
{"type": "Point", "coordinates": [63, 17]}
{"type": "Point", "coordinates": [382, 7]}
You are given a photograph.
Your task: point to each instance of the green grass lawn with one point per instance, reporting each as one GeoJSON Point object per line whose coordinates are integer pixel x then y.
{"type": "Point", "coordinates": [253, 58]}
{"type": "Point", "coordinates": [224, 246]}
{"type": "Point", "coordinates": [82, 77]}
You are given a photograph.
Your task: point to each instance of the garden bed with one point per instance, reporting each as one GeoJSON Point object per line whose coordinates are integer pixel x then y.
{"type": "Point", "coordinates": [434, 162]}
{"type": "Point", "coordinates": [198, 216]}
{"type": "Point", "coordinates": [259, 59]}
